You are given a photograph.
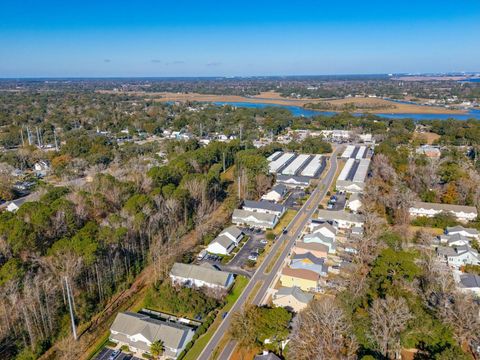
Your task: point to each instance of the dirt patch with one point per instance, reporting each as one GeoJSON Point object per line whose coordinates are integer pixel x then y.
{"type": "Point", "coordinates": [428, 137]}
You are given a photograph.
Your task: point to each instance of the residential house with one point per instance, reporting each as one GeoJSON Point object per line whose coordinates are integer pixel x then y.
{"type": "Point", "coordinates": [319, 238]}
{"type": "Point", "coordinates": [458, 256]}
{"type": "Point", "coordinates": [323, 228]}
{"type": "Point", "coordinates": [343, 219]}
{"type": "Point", "coordinates": [318, 250]}
{"type": "Point", "coordinates": [292, 181]}
{"type": "Point", "coordinates": [308, 261]}
{"type": "Point", "coordinates": [304, 279]}
{"type": "Point", "coordinates": [357, 230]}
{"type": "Point", "coordinates": [292, 298]}
{"type": "Point", "coordinates": [221, 245]}
{"type": "Point", "coordinates": [265, 207]}
{"type": "Point", "coordinates": [470, 283]}
{"type": "Point", "coordinates": [138, 332]}
{"type": "Point", "coordinates": [354, 203]}
{"type": "Point", "coordinates": [461, 212]}
{"type": "Point", "coordinates": [276, 194]}
{"type": "Point", "coordinates": [432, 152]}
{"type": "Point", "coordinates": [234, 233]}
{"type": "Point", "coordinates": [468, 232]}
{"type": "Point", "coordinates": [453, 240]}
{"type": "Point", "coordinates": [267, 356]}
{"type": "Point", "coordinates": [200, 275]}
{"type": "Point", "coordinates": [254, 219]}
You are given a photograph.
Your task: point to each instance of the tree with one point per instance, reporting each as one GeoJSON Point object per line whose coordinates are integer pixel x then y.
{"type": "Point", "coordinates": [322, 331]}
{"type": "Point", "coordinates": [157, 348]}
{"type": "Point", "coordinates": [389, 318]}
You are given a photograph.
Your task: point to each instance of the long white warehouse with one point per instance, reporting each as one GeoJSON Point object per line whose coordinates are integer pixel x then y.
{"type": "Point", "coordinates": [296, 164]}
{"type": "Point", "coordinates": [278, 163]}
{"type": "Point", "coordinates": [274, 156]}
{"type": "Point", "coordinates": [346, 169]}
{"type": "Point", "coordinates": [362, 171]}
{"type": "Point", "coordinates": [348, 151]}
{"type": "Point", "coordinates": [313, 166]}
{"type": "Point", "coordinates": [361, 152]}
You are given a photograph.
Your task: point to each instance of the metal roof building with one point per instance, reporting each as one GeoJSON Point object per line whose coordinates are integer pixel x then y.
{"type": "Point", "coordinates": [296, 164]}
{"type": "Point", "coordinates": [362, 171]}
{"type": "Point", "coordinates": [348, 151]}
{"type": "Point", "coordinates": [361, 152]}
{"type": "Point", "coordinates": [313, 166]}
{"type": "Point", "coordinates": [274, 156]}
{"type": "Point", "coordinates": [346, 169]}
{"type": "Point", "coordinates": [275, 165]}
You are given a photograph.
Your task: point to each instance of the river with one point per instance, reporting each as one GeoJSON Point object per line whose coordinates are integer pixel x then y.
{"type": "Point", "coordinates": [300, 111]}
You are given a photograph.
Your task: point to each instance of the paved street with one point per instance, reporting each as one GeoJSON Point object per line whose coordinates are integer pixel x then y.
{"type": "Point", "coordinates": [294, 231]}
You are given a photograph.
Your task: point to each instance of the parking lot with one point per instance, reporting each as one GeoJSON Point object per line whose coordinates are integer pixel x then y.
{"type": "Point", "coordinates": [105, 353]}
{"type": "Point", "coordinates": [252, 245]}
{"type": "Point", "coordinates": [340, 203]}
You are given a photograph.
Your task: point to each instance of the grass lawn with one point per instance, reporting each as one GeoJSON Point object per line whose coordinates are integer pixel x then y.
{"type": "Point", "coordinates": [431, 230]}
{"type": "Point", "coordinates": [228, 174]}
{"type": "Point", "coordinates": [202, 341]}
{"type": "Point", "coordinates": [284, 221]}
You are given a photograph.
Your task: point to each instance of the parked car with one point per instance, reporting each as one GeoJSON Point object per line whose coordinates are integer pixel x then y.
{"type": "Point", "coordinates": [114, 354]}
{"type": "Point", "coordinates": [330, 206]}
{"type": "Point", "coordinates": [284, 231]}
{"type": "Point", "coordinates": [263, 241]}
{"type": "Point", "coordinates": [224, 315]}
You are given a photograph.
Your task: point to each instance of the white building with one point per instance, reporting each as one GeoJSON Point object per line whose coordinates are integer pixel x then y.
{"type": "Point", "coordinates": [468, 232]}
{"type": "Point", "coordinates": [221, 245]}
{"type": "Point", "coordinates": [458, 256]}
{"type": "Point", "coordinates": [461, 212]}
{"type": "Point", "coordinates": [265, 207]}
{"type": "Point", "coordinates": [254, 219]}
{"type": "Point", "coordinates": [276, 194]}
{"type": "Point", "coordinates": [354, 203]}
{"type": "Point", "coordinates": [344, 220]}
{"type": "Point", "coordinates": [200, 275]}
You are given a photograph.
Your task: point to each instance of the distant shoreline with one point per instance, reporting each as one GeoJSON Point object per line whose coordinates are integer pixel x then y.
{"type": "Point", "coordinates": [389, 107]}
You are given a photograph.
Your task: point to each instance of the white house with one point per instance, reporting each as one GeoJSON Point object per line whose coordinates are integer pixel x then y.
{"type": "Point", "coordinates": [293, 181]}
{"type": "Point", "coordinates": [276, 194]}
{"type": "Point", "coordinates": [200, 275]}
{"type": "Point", "coordinates": [461, 212]}
{"type": "Point", "coordinates": [354, 202]}
{"type": "Point", "coordinates": [254, 219]}
{"type": "Point", "coordinates": [265, 207]}
{"type": "Point", "coordinates": [468, 232]}
{"type": "Point", "coordinates": [138, 332]}
{"type": "Point", "coordinates": [344, 219]}
{"type": "Point", "coordinates": [469, 283]}
{"type": "Point", "coordinates": [458, 256]}
{"type": "Point", "coordinates": [221, 245]}
{"type": "Point", "coordinates": [323, 228]}
{"type": "Point", "coordinates": [454, 240]}
{"type": "Point", "coordinates": [234, 233]}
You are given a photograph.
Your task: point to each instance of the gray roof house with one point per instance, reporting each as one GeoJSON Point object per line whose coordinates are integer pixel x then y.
{"type": "Point", "coordinates": [234, 233]}
{"type": "Point", "coordinates": [266, 207]}
{"type": "Point", "coordinates": [319, 238]}
{"type": "Point", "coordinates": [139, 331]}
{"type": "Point", "coordinates": [254, 219]}
{"type": "Point", "coordinates": [344, 219]}
{"type": "Point", "coordinates": [200, 275]}
{"type": "Point", "coordinates": [454, 240]}
{"type": "Point", "coordinates": [293, 181]}
{"type": "Point", "coordinates": [222, 245]}
{"type": "Point", "coordinates": [308, 261]}
{"type": "Point", "coordinates": [470, 283]}
{"type": "Point", "coordinates": [469, 232]}
{"type": "Point", "coordinates": [292, 297]}
{"type": "Point", "coordinates": [267, 356]}
{"type": "Point", "coordinates": [458, 256]}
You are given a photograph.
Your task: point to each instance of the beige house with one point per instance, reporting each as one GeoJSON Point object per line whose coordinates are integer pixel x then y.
{"type": "Point", "coordinates": [292, 298]}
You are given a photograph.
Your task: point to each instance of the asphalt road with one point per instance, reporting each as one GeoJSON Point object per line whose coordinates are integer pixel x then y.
{"type": "Point", "coordinates": [295, 229]}
{"type": "Point", "coordinates": [104, 354]}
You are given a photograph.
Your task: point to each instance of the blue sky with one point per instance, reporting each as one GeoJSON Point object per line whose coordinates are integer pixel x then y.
{"type": "Point", "coordinates": [236, 38]}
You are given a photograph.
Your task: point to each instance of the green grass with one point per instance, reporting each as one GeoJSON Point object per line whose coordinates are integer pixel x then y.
{"type": "Point", "coordinates": [240, 284]}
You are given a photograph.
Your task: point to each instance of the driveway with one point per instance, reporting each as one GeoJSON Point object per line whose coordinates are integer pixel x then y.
{"type": "Point", "coordinates": [105, 353]}
{"type": "Point", "coordinates": [292, 200]}
{"type": "Point", "coordinates": [340, 203]}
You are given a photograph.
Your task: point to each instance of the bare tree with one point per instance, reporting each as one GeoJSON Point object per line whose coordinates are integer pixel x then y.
{"type": "Point", "coordinates": [322, 331]}
{"type": "Point", "coordinates": [389, 319]}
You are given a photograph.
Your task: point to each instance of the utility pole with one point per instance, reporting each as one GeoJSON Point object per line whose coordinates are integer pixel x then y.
{"type": "Point", "coordinates": [239, 187]}
{"type": "Point", "coordinates": [55, 137]}
{"type": "Point", "coordinates": [223, 161]}
{"type": "Point", "coordinates": [70, 306]}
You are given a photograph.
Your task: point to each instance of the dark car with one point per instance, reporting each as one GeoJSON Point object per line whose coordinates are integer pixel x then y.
{"type": "Point", "coordinates": [284, 231]}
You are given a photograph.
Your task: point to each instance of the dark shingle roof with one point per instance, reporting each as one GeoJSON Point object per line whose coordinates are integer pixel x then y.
{"type": "Point", "coordinates": [265, 205]}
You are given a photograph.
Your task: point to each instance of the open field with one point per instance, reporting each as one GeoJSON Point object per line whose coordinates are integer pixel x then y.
{"type": "Point", "coordinates": [372, 105]}
{"type": "Point", "coordinates": [429, 137]}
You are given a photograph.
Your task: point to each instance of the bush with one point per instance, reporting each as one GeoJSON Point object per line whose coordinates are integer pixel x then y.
{"type": "Point", "coordinates": [270, 236]}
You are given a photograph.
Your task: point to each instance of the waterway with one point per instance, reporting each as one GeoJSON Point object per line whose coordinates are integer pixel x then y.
{"type": "Point", "coordinates": [300, 111]}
